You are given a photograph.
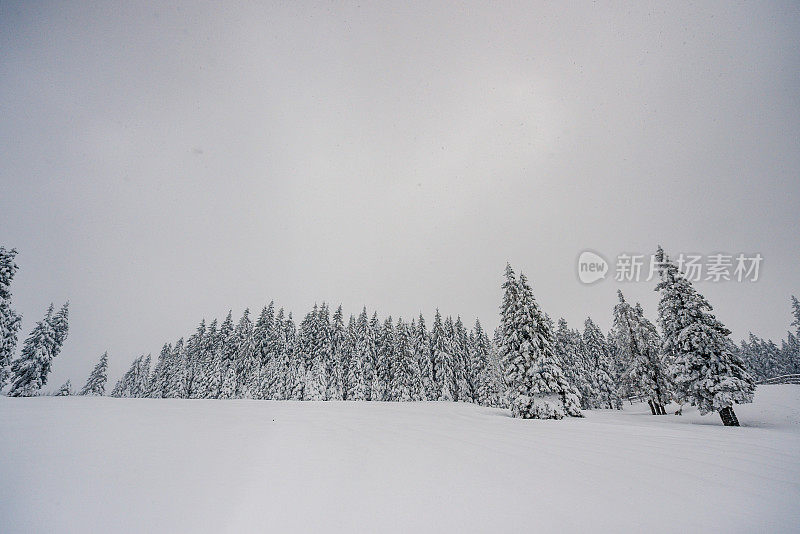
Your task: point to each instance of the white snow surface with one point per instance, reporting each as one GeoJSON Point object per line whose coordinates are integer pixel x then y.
{"type": "Point", "coordinates": [97, 464]}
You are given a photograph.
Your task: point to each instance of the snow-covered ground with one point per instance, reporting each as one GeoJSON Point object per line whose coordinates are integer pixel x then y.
{"type": "Point", "coordinates": [74, 464]}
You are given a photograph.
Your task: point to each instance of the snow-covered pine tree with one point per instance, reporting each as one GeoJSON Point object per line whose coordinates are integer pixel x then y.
{"type": "Point", "coordinates": [96, 383]}
{"type": "Point", "coordinates": [10, 320]}
{"type": "Point", "coordinates": [278, 379]}
{"type": "Point", "coordinates": [480, 347]}
{"type": "Point", "coordinates": [638, 341]}
{"type": "Point", "coordinates": [310, 346]}
{"type": "Point", "coordinates": [30, 370]}
{"type": "Point", "coordinates": [386, 361]}
{"type": "Point", "coordinates": [244, 358]}
{"type": "Point", "coordinates": [790, 349]}
{"type": "Point", "coordinates": [175, 380]}
{"type": "Point", "coordinates": [705, 370]}
{"type": "Point", "coordinates": [60, 324]}
{"type": "Point", "coordinates": [323, 363]}
{"type": "Point", "coordinates": [355, 383]}
{"type": "Point", "coordinates": [364, 352]}
{"type": "Point", "coordinates": [158, 382]}
{"type": "Point", "coordinates": [263, 355]}
{"type": "Point", "coordinates": [338, 362]}
{"type": "Point", "coordinates": [226, 348]}
{"type": "Point", "coordinates": [134, 382]}
{"type": "Point", "coordinates": [538, 387]}
{"type": "Point", "coordinates": [604, 380]}
{"type": "Point", "coordinates": [569, 349]}
{"type": "Point", "coordinates": [462, 363]}
{"type": "Point", "coordinates": [422, 350]}
{"type": "Point", "coordinates": [377, 377]}
{"type": "Point", "coordinates": [65, 390]}
{"type": "Point", "coordinates": [207, 379]}
{"type": "Point", "coordinates": [194, 355]}
{"type": "Point", "coordinates": [295, 376]}
{"type": "Point", "coordinates": [442, 356]}
{"type": "Point", "coordinates": [406, 379]}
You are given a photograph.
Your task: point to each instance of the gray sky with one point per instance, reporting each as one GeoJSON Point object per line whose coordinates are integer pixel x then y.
{"type": "Point", "coordinates": [163, 164]}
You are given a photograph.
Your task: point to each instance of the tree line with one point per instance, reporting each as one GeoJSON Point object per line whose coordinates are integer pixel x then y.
{"type": "Point", "coordinates": [532, 365]}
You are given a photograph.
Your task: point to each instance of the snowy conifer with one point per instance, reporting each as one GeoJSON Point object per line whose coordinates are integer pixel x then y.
{"type": "Point", "coordinates": [442, 358]}
{"type": "Point", "coordinates": [65, 390]}
{"type": "Point", "coordinates": [422, 350]}
{"type": "Point", "coordinates": [135, 382]}
{"type": "Point", "coordinates": [339, 358]}
{"type": "Point", "coordinates": [705, 370]}
{"type": "Point", "coordinates": [245, 361]}
{"type": "Point", "coordinates": [462, 363]}
{"type": "Point", "coordinates": [96, 383]}
{"type": "Point", "coordinates": [480, 349]}
{"type": "Point", "coordinates": [356, 384]}
{"type": "Point", "coordinates": [31, 369]}
{"type": "Point", "coordinates": [10, 320]}
{"type": "Point", "coordinates": [637, 339]}
{"type": "Point", "coordinates": [226, 349]}
{"type": "Point", "coordinates": [604, 379]}
{"type": "Point", "coordinates": [537, 386]}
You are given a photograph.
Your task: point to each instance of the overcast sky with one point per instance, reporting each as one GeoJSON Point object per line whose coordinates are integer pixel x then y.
{"type": "Point", "coordinates": [164, 164]}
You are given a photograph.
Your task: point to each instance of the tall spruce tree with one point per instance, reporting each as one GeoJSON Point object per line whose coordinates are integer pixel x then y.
{"type": "Point", "coordinates": [10, 320]}
{"type": "Point", "coordinates": [422, 350]}
{"type": "Point", "coordinates": [705, 369]}
{"type": "Point", "coordinates": [96, 383]}
{"type": "Point", "coordinates": [604, 379]}
{"type": "Point", "coordinates": [442, 358]}
{"type": "Point", "coordinates": [538, 388]}
{"type": "Point", "coordinates": [637, 339]}
{"type": "Point", "coordinates": [31, 369]}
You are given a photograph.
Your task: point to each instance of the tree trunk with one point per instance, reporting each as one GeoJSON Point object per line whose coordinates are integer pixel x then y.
{"type": "Point", "coordinates": [728, 417]}
{"type": "Point", "coordinates": [652, 407]}
{"type": "Point", "coordinates": [660, 409]}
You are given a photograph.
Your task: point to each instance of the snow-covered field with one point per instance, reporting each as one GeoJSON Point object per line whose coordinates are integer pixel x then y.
{"type": "Point", "coordinates": [74, 464]}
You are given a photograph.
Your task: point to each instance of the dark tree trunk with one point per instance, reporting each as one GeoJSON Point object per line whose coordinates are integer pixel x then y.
{"type": "Point", "coordinates": [660, 409]}
{"type": "Point", "coordinates": [652, 407]}
{"type": "Point", "coordinates": [728, 417]}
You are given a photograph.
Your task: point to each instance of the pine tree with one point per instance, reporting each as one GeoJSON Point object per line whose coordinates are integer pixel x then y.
{"type": "Point", "coordinates": [422, 350]}
{"type": "Point", "coordinates": [135, 382]}
{"type": "Point", "coordinates": [637, 339]}
{"type": "Point", "coordinates": [603, 373]}
{"type": "Point", "coordinates": [339, 360]}
{"type": "Point", "coordinates": [406, 379]}
{"type": "Point", "coordinates": [193, 372]}
{"type": "Point", "coordinates": [442, 358]}
{"type": "Point", "coordinates": [245, 362]}
{"type": "Point", "coordinates": [226, 349]}
{"type": "Point", "coordinates": [65, 390]}
{"type": "Point", "coordinates": [206, 379]}
{"type": "Point", "coordinates": [31, 369]}
{"type": "Point", "coordinates": [356, 382]}
{"type": "Point", "coordinates": [570, 351]}
{"type": "Point", "coordinates": [376, 378]}
{"type": "Point", "coordinates": [158, 382]}
{"type": "Point", "coordinates": [462, 363]}
{"type": "Point", "coordinates": [385, 368]}
{"type": "Point", "coordinates": [537, 386]}
{"type": "Point", "coordinates": [96, 384]}
{"type": "Point", "coordinates": [175, 380]}
{"type": "Point", "coordinates": [10, 320]}
{"type": "Point", "coordinates": [705, 370]}
{"type": "Point", "coordinates": [480, 348]}
{"type": "Point", "coordinates": [260, 383]}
